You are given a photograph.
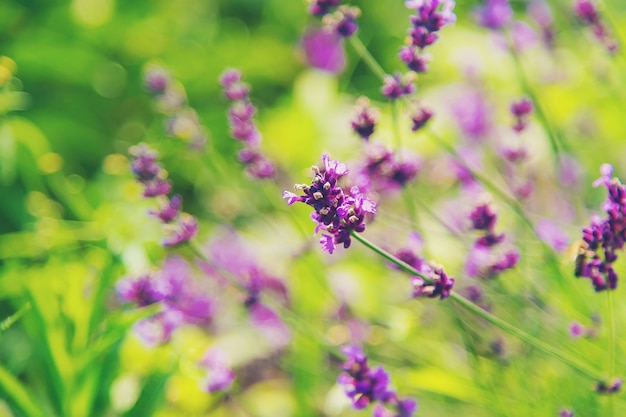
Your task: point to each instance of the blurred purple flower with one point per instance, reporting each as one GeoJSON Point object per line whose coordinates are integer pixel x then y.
{"type": "Point", "coordinates": [566, 413]}
{"type": "Point", "coordinates": [549, 232]}
{"type": "Point", "coordinates": [219, 376]}
{"type": "Point", "coordinates": [397, 85]}
{"type": "Point", "coordinates": [471, 112]}
{"type": "Point", "coordinates": [182, 231]}
{"type": "Point", "coordinates": [440, 287]}
{"type": "Point", "coordinates": [321, 7]}
{"type": "Point", "coordinates": [414, 58]}
{"type": "Point", "coordinates": [324, 50]}
{"type": "Point", "coordinates": [576, 330]}
{"type": "Point", "coordinates": [494, 14]}
{"type": "Point", "coordinates": [141, 291]}
{"type": "Point", "coordinates": [364, 385]}
{"type": "Point", "coordinates": [541, 14]}
{"type": "Point", "coordinates": [342, 22]}
{"type": "Point", "coordinates": [365, 117]}
{"type": "Point", "coordinates": [523, 36]}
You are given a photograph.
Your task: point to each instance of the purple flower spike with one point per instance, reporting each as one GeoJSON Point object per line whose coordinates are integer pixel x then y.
{"type": "Point", "coordinates": [169, 211]}
{"type": "Point", "coordinates": [364, 120]}
{"type": "Point", "coordinates": [420, 116]}
{"type": "Point", "coordinates": [566, 413]}
{"type": "Point", "coordinates": [219, 375]}
{"type": "Point", "coordinates": [364, 386]}
{"type": "Point", "coordinates": [604, 237]}
{"type": "Point", "coordinates": [324, 50]}
{"type": "Point", "coordinates": [520, 110]}
{"type": "Point", "coordinates": [414, 59]}
{"type": "Point", "coordinates": [157, 79]}
{"type": "Point", "coordinates": [396, 86]}
{"type": "Point", "coordinates": [612, 387]}
{"type": "Point", "coordinates": [321, 7]}
{"type": "Point", "coordinates": [335, 212]}
{"type": "Point", "coordinates": [440, 287]}
{"type": "Point", "coordinates": [494, 14]}
{"type": "Point", "coordinates": [142, 291]}
{"type": "Point", "coordinates": [183, 231]}
{"type": "Point", "coordinates": [343, 21]}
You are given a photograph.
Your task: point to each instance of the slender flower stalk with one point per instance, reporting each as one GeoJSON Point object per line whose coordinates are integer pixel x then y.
{"type": "Point", "coordinates": [9, 321]}
{"type": "Point", "coordinates": [574, 363]}
{"type": "Point", "coordinates": [367, 57]}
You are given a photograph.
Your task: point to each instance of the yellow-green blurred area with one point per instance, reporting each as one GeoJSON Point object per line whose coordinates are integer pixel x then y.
{"type": "Point", "coordinates": [73, 221]}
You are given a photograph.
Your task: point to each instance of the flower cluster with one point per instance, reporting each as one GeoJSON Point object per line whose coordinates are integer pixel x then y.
{"type": "Point", "coordinates": [603, 237]}
{"type": "Point", "coordinates": [182, 226]}
{"type": "Point", "coordinates": [541, 14]}
{"type": "Point", "coordinates": [182, 302]}
{"type": "Point", "coordinates": [520, 110]}
{"type": "Point", "coordinates": [587, 13]}
{"type": "Point", "coordinates": [219, 376]}
{"type": "Point", "coordinates": [483, 260]}
{"type": "Point", "coordinates": [438, 285]}
{"type": "Point", "coordinates": [398, 85]}
{"type": "Point", "coordinates": [365, 117]}
{"type": "Point", "coordinates": [430, 17]}
{"type": "Point", "coordinates": [365, 385]}
{"type": "Point", "coordinates": [419, 116]}
{"type": "Point", "coordinates": [335, 212]}
{"type": "Point", "coordinates": [171, 99]}
{"type": "Point", "coordinates": [231, 262]}
{"type": "Point", "coordinates": [383, 171]}
{"type": "Point", "coordinates": [609, 388]}
{"type": "Point", "coordinates": [337, 19]}
{"type": "Point", "coordinates": [242, 126]}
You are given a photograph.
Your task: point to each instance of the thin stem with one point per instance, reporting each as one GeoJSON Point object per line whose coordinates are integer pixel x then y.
{"type": "Point", "coordinates": [574, 363]}
{"type": "Point", "coordinates": [9, 321]}
{"type": "Point", "coordinates": [367, 57]}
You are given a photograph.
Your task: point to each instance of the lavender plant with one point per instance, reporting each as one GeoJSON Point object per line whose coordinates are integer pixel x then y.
{"type": "Point", "coordinates": [241, 305]}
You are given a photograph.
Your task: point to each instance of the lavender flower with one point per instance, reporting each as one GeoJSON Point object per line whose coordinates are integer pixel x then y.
{"type": "Point", "coordinates": [143, 290]}
{"type": "Point", "coordinates": [494, 14]}
{"type": "Point", "coordinates": [397, 85]}
{"type": "Point", "coordinates": [420, 116]}
{"type": "Point", "coordinates": [364, 120]}
{"type": "Point", "coordinates": [181, 299]}
{"type": "Point", "coordinates": [384, 172]}
{"type": "Point", "coordinates": [183, 231]}
{"type": "Point", "coordinates": [541, 14]}
{"type": "Point", "coordinates": [219, 376]}
{"type": "Point", "coordinates": [440, 287]}
{"type": "Point", "coordinates": [549, 232]}
{"type": "Point", "coordinates": [336, 213]}
{"type": "Point", "coordinates": [157, 79]}
{"type": "Point", "coordinates": [603, 237]}
{"type": "Point", "coordinates": [414, 59]}
{"type": "Point", "coordinates": [587, 12]}
{"type": "Point", "coordinates": [612, 387]}
{"type": "Point", "coordinates": [430, 16]}
{"type": "Point", "coordinates": [364, 386]}
{"type": "Point", "coordinates": [144, 165]}
{"type": "Point", "coordinates": [321, 7]}
{"type": "Point", "coordinates": [566, 413]}
{"type": "Point", "coordinates": [324, 50]}
{"type": "Point", "coordinates": [242, 126]}
{"type": "Point", "coordinates": [343, 21]}
{"type": "Point", "coordinates": [486, 259]}
{"type": "Point", "coordinates": [520, 110]}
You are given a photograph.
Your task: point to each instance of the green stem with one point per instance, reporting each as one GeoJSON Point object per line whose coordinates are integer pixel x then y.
{"type": "Point", "coordinates": [574, 363]}
{"type": "Point", "coordinates": [367, 57]}
{"type": "Point", "coordinates": [9, 321]}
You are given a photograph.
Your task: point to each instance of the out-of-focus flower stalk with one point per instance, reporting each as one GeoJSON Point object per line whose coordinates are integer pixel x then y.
{"type": "Point", "coordinates": [514, 331]}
